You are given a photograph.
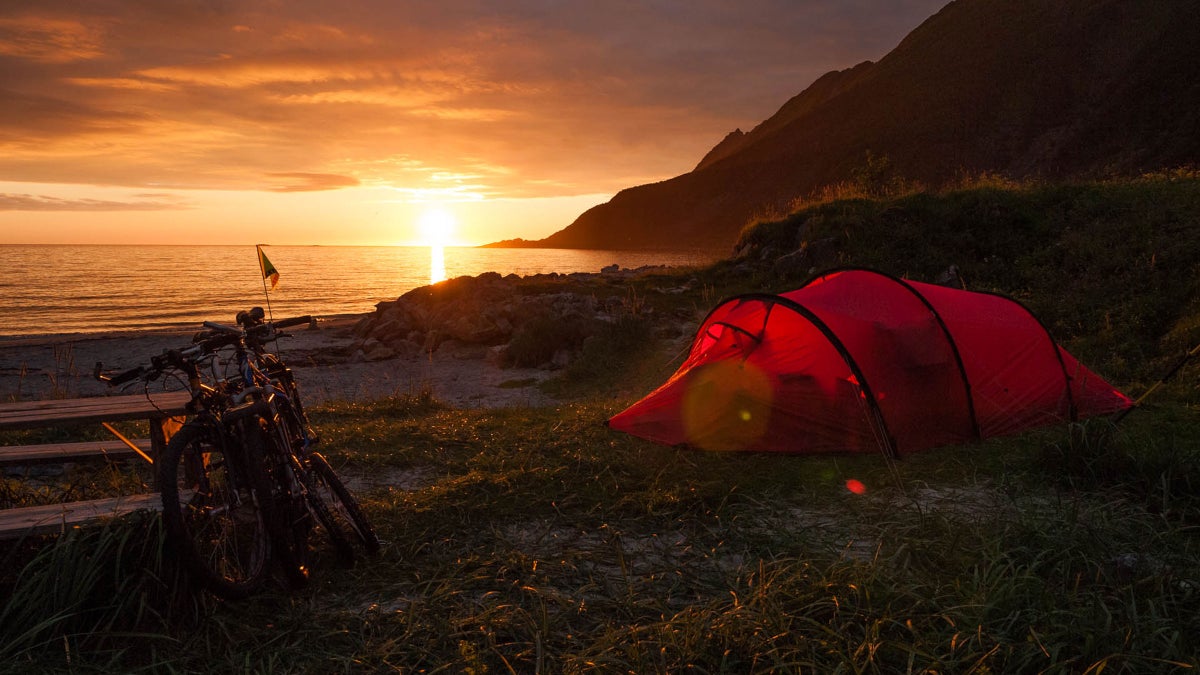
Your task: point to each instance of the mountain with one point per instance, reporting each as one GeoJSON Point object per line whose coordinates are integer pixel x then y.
{"type": "Point", "coordinates": [1029, 89]}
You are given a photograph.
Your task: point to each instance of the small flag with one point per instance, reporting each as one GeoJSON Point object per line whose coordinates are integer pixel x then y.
{"type": "Point", "coordinates": [268, 270]}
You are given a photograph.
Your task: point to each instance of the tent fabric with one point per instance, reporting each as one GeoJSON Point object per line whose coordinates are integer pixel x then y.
{"type": "Point", "coordinates": [860, 361]}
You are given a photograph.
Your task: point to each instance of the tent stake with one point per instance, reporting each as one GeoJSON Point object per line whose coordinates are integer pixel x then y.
{"type": "Point", "coordinates": [1163, 380]}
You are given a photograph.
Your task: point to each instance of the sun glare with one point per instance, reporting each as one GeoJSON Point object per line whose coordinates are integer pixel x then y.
{"type": "Point", "coordinates": [436, 226]}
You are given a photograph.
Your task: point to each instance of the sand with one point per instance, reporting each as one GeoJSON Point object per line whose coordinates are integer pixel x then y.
{"type": "Point", "coordinates": [61, 366]}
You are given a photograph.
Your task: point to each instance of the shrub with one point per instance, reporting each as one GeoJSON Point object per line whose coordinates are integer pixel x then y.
{"type": "Point", "coordinates": [537, 341]}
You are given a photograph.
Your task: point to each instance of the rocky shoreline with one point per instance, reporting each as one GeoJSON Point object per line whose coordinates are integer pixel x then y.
{"type": "Point", "coordinates": [491, 315]}
{"type": "Point", "coordinates": [459, 340]}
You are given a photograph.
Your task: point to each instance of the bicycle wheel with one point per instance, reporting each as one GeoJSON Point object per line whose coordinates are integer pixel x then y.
{"type": "Point", "coordinates": [212, 511]}
{"type": "Point", "coordinates": [292, 439]}
{"type": "Point", "coordinates": [336, 527]}
{"type": "Point", "coordinates": [288, 519]}
{"type": "Point", "coordinates": [342, 502]}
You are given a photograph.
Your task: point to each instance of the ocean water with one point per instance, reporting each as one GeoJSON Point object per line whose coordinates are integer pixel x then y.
{"type": "Point", "coordinates": [98, 289]}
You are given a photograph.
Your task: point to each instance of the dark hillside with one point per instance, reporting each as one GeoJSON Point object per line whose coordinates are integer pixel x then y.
{"type": "Point", "coordinates": [1047, 89]}
{"type": "Point", "coordinates": [1111, 267]}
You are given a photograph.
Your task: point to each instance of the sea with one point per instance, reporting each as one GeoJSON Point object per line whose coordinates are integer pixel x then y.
{"type": "Point", "coordinates": [66, 289]}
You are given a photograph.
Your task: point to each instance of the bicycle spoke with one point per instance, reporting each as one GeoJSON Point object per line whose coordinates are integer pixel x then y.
{"type": "Point", "coordinates": [212, 518]}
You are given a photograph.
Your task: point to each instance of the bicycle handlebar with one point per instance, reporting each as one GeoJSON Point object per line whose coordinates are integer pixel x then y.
{"type": "Point", "coordinates": [261, 327]}
{"type": "Point", "coordinates": [218, 335]}
{"type": "Point", "coordinates": [123, 377]}
{"type": "Point", "coordinates": [222, 328]}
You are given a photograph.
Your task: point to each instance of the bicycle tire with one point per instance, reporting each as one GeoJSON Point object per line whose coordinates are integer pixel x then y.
{"type": "Point", "coordinates": [288, 519]}
{"type": "Point", "coordinates": [339, 531]}
{"type": "Point", "coordinates": [338, 495]}
{"type": "Point", "coordinates": [212, 511]}
{"type": "Point", "coordinates": [304, 506]}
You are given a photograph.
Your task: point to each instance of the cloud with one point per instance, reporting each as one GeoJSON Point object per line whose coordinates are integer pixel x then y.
{"type": "Point", "coordinates": [48, 40]}
{"type": "Point", "coordinates": [311, 182]}
{"type": "Point", "coordinates": [28, 202]}
{"type": "Point", "coordinates": [553, 99]}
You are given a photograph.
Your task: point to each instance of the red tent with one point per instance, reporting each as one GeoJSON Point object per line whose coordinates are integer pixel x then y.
{"type": "Point", "coordinates": [860, 361]}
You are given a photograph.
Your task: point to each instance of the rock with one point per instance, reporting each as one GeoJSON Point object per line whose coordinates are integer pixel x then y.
{"type": "Point", "coordinates": [497, 356]}
{"type": "Point", "coordinates": [379, 353]}
{"type": "Point", "coordinates": [821, 253]}
{"type": "Point", "coordinates": [795, 264]}
{"type": "Point", "coordinates": [474, 328]}
{"type": "Point", "coordinates": [431, 341]}
{"type": "Point", "coordinates": [389, 329]}
{"type": "Point", "coordinates": [464, 351]}
{"type": "Point", "coordinates": [560, 360]}
{"type": "Point", "coordinates": [480, 314]}
{"type": "Point", "coordinates": [401, 343]}
{"type": "Point", "coordinates": [364, 325]}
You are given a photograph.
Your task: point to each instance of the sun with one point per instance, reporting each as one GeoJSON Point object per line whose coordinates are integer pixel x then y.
{"type": "Point", "coordinates": [436, 226]}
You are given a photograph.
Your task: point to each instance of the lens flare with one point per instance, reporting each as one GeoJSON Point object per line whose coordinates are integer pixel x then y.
{"type": "Point", "coordinates": [727, 405]}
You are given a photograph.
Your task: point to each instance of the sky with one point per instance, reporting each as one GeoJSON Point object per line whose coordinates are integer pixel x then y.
{"type": "Point", "coordinates": [380, 122]}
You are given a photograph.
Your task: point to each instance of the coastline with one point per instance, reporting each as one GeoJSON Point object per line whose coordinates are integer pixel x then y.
{"type": "Point", "coordinates": [61, 365]}
{"type": "Point", "coordinates": [20, 340]}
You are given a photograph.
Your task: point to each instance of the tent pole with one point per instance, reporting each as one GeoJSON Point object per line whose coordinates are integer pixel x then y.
{"type": "Point", "coordinates": [1161, 381]}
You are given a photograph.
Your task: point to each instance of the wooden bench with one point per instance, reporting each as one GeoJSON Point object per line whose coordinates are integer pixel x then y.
{"type": "Point", "coordinates": [53, 453]}
{"type": "Point", "coordinates": [156, 408]}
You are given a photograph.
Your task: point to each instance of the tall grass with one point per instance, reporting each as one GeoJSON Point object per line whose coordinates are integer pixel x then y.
{"type": "Point", "coordinates": [94, 597]}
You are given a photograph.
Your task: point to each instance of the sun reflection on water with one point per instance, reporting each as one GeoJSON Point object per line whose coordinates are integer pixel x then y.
{"type": "Point", "coordinates": [437, 226]}
{"type": "Point", "coordinates": [437, 264]}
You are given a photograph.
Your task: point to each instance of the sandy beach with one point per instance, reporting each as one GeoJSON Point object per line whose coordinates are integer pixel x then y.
{"type": "Point", "coordinates": [322, 358]}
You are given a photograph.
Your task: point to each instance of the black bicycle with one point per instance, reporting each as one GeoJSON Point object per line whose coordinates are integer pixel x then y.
{"type": "Point", "coordinates": [307, 487]}
{"type": "Point", "coordinates": [240, 484]}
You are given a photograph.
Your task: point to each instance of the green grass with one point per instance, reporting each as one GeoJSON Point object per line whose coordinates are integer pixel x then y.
{"type": "Point", "coordinates": [526, 540]}
{"type": "Point", "coordinates": [1110, 267]}
{"type": "Point", "coordinates": [537, 540]}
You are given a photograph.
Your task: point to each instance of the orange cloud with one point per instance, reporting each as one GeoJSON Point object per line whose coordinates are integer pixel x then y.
{"type": "Point", "coordinates": [49, 40]}
{"type": "Point", "coordinates": [27, 202]}
{"type": "Point", "coordinates": [515, 100]}
{"type": "Point", "coordinates": [311, 182]}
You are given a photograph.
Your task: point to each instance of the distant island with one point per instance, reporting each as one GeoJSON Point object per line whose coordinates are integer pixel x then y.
{"type": "Point", "coordinates": [513, 243]}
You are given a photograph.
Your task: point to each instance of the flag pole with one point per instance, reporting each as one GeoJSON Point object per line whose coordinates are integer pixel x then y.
{"type": "Point", "coordinates": [262, 268]}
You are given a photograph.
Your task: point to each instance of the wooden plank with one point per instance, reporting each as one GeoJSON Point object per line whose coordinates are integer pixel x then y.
{"type": "Point", "coordinates": [49, 453]}
{"type": "Point", "coordinates": [31, 414]}
{"type": "Point", "coordinates": [57, 518]}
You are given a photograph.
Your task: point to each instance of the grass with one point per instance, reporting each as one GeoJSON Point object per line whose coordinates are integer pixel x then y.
{"type": "Point", "coordinates": [537, 540]}
{"type": "Point", "coordinates": [1108, 266]}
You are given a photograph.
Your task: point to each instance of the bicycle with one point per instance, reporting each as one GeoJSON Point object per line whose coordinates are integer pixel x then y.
{"type": "Point", "coordinates": [308, 483]}
{"type": "Point", "coordinates": [239, 482]}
